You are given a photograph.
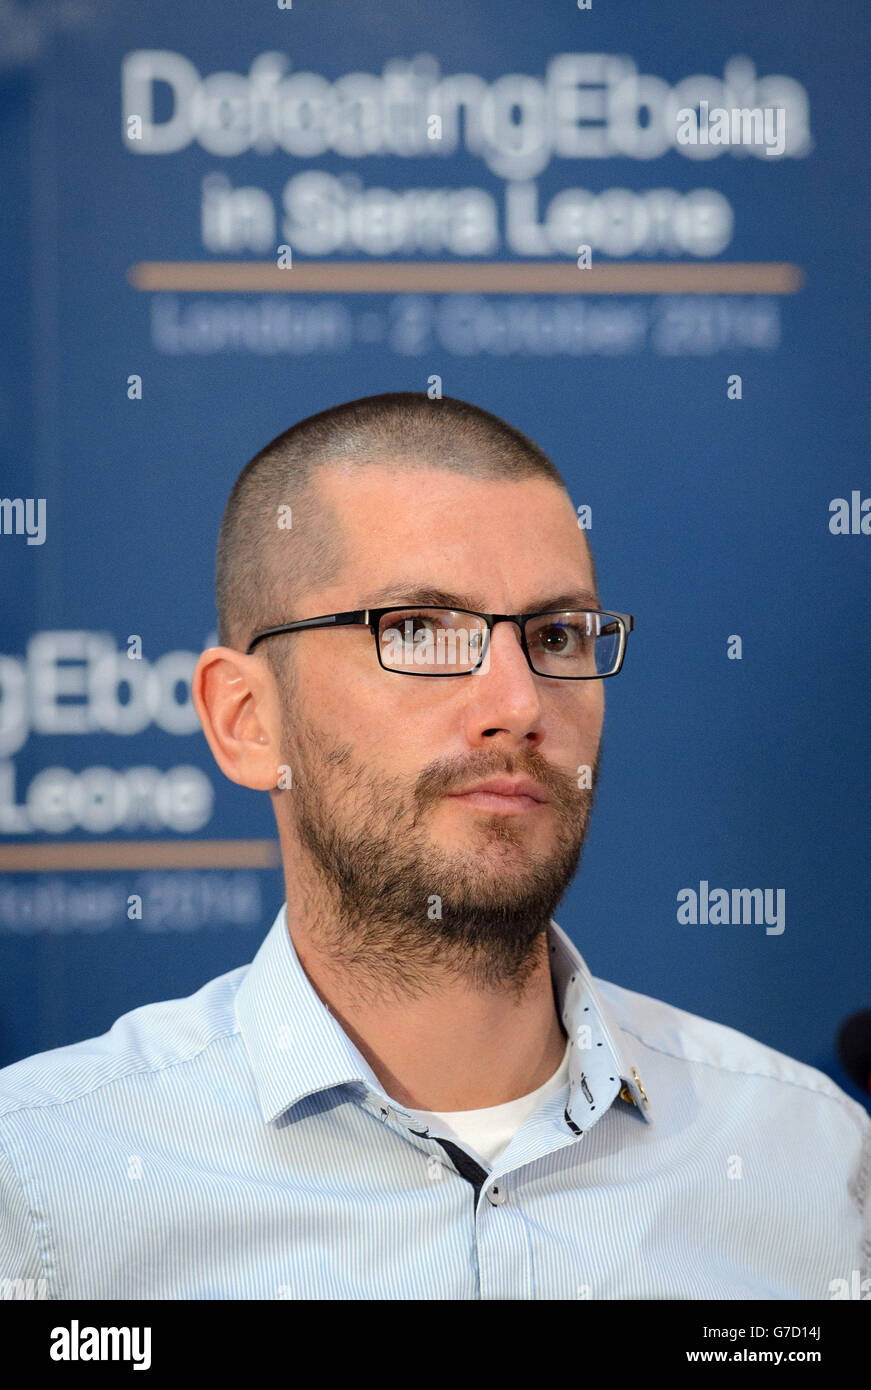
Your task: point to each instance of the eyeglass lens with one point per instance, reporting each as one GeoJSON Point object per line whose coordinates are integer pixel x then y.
{"type": "Point", "coordinates": [433, 641]}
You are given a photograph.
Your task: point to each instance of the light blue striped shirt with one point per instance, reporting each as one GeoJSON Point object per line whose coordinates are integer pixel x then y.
{"type": "Point", "coordinates": [234, 1144]}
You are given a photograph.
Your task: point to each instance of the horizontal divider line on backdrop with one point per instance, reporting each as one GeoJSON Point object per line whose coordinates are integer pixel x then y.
{"type": "Point", "coordinates": [469, 277]}
{"type": "Point", "coordinates": [92, 855]}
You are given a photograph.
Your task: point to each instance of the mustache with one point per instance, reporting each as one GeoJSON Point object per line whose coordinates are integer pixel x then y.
{"type": "Point", "coordinates": [448, 775]}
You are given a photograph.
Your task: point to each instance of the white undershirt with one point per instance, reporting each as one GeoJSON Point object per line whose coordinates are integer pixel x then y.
{"type": "Point", "coordinates": [489, 1132]}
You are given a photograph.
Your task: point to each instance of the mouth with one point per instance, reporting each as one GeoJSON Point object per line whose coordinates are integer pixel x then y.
{"type": "Point", "coordinates": [510, 796]}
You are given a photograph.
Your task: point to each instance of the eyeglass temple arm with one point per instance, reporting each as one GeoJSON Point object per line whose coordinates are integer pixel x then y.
{"type": "Point", "coordinates": [359, 615]}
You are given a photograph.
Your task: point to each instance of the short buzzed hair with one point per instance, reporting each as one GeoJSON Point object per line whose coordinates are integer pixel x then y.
{"type": "Point", "coordinates": [404, 426]}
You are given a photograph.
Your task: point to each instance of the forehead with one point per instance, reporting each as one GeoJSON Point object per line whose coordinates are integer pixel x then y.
{"type": "Point", "coordinates": [393, 516]}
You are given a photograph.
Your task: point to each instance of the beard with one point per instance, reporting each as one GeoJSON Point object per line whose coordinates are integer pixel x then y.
{"type": "Point", "coordinates": [391, 907]}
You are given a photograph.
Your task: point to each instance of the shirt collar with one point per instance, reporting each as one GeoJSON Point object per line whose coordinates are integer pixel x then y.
{"type": "Point", "coordinates": [601, 1062]}
{"type": "Point", "coordinates": [297, 1048]}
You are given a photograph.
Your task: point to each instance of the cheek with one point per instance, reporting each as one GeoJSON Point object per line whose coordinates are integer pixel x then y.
{"type": "Point", "coordinates": [596, 713]}
{"type": "Point", "coordinates": [354, 702]}
{"type": "Point", "coordinates": [583, 714]}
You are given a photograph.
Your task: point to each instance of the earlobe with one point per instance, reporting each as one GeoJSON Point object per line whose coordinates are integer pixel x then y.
{"type": "Point", "coordinates": [236, 703]}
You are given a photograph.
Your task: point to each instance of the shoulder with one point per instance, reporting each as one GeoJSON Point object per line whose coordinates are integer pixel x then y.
{"type": "Point", "coordinates": [144, 1041]}
{"type": "Point", "coordinates": [670, 1032]}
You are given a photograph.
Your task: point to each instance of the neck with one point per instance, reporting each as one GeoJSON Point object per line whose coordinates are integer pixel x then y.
{"type": "Point", "coordinates": [441, 1030]}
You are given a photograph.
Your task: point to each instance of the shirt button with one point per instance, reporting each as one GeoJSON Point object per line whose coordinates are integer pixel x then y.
{"type": "Point", "coordinates": [385, 1114]}
{"type": "Point", "coordinates": [496, 1195]}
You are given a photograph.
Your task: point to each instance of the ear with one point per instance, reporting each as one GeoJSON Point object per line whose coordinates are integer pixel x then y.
{"type": "Point", "coordinates": [236, 699]}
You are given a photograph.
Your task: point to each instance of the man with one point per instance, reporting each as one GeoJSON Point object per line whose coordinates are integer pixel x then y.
{"type": "Point", "coordinates": [417, 1090]}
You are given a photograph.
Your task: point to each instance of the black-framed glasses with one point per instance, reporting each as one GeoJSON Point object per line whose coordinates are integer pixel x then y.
{"type": "Point", "coordinates": [575, 645]}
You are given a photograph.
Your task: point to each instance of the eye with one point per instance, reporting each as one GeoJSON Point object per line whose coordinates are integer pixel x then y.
{"type": "Point", "coordinates": [561, 639]}
{"type": "Point", "coordinates": [411, 626]}
{"type": "Point", "coordinates": [421, 622]}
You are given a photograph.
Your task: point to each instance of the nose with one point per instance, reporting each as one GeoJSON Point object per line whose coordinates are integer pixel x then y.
{"type": "Point", "coordinates": [509, 633]}
{"type": "Point", "coordinates": [504, 696]}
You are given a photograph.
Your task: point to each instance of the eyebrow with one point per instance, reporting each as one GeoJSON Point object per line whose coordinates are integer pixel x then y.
{"type": "Point", "coordinates": [404, 595]}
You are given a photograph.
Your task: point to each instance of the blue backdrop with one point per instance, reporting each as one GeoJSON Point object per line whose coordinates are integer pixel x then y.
{"type": "Point", "coordinates": [709, 424]}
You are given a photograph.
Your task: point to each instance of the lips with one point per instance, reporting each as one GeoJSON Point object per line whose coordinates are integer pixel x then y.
{"type": "Point", "coordinates": [507, 787]}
